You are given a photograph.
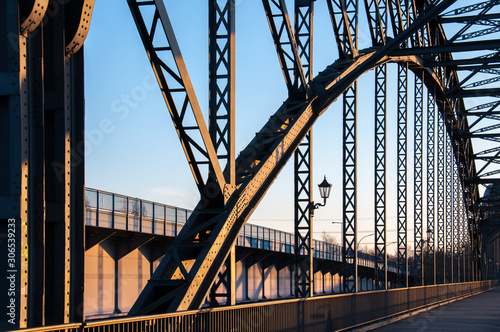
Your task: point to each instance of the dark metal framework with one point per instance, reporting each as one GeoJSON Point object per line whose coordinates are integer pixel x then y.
{"type": "Point", "coordinates": [377, 19]}
{"type": "Point", "coordinates": [430, 278]}
{"type": "Point", "coordinates": [303, 198]}
{"type": "Point", "coordinates": [221, 17]}
{"type": "Point", "coordinates": [448, 272]}
{"type": "Point", "coordinates": [380, 177]}
{"type": "Point", "coordinates": [417, 171]}
{"type": "Point", "coordinates": [344, 17]}
{"type": "Point", "coordinates": [44, 180]}
{"type": "Point", "coordinates": [440, 201]}
{"type": "Point", "coordinates": [222, 82]}
{"type": "Point", "coordinates": [402, 260]}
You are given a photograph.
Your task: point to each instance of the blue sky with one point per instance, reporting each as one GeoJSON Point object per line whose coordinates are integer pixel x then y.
{"type": "Point", "coordinates": [132, 147]}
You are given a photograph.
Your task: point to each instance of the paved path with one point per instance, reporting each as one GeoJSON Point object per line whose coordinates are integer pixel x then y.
{"type": "Point", "coordinates": [476, 313]}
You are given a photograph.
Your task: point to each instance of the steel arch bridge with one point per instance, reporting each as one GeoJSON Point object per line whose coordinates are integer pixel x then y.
{"type": "Point", "coordinates": [42, 110]}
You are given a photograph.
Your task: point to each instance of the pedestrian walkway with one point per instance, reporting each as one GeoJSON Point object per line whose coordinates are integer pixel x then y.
{"type": "Point", "coordinates": [476, 313]}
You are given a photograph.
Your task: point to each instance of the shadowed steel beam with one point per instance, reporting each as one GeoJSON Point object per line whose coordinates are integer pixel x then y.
{"type": "Point", "coordinates": [175, 85]}
{"type": "Point", "coordinates": [14, 166]}
{"type": "Point", "coordinates": [449, 211]}
{"type": "Point", "coordinates": [349, 253]}
{"type": "Point", "coordinates": [431, 228]}
{"type": "Point", "coordinates": [440, 201]}
{"type": "Point", "coordinates": [286, 44]}
{"type": "Point", "coordinates": [344, 17]}
{"type": "Point", "coordinates": [303, 197]}
{"type": "Point", "coordinates": [451, 48]}
{"type": "Point", "coordinates": [402, 259]}
{"type": "Point", "coordinates": [221, 126]}
{"type": "Point", "coordinates": [303, 219]}
{"type": "Point", "coordinates": [222, 82]}
{"type": "Point", "coordinates": [456, 221]}
{"type": "Point", "coordinates": [380, 177]}
{"type": "Point", "coordinates": [417, 171]}
{"type": "Point", "coordinates": [376, 12]}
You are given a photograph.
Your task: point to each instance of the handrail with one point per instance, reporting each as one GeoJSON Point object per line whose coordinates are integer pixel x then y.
{"type": "Point", "coordinates": [111, 210]}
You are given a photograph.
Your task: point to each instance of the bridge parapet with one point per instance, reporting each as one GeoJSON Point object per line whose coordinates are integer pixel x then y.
{"type": "Point", "coordinates": [116, 211]}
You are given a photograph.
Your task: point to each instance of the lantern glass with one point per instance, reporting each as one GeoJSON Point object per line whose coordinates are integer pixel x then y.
{"type": "Point", "coordinates": [324, 189]}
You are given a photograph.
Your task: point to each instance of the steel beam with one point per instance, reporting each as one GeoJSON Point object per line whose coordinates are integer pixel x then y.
{"type": "Point", "coordinates": [161, 46]}
{"type": "Point", "coordinates": [402, 259]}
{"type": "Point", "coordinates": [349, 222]}
{"type": "Point", "coordinates": [285, 42]}
{"type": "Point", "coordinates": [14, 168]}
{"type": "Point", "coordinates": [441, 157]}
{"type": "Point", "coordinates": [380, 177]}
{"type": "Point", "coordinates": [303, 198]}
{"type": "Point", "coordinates": [449, 211]}
{"type": "Point", "coordinates": [303, 219]}
{"type": "Point", "coordinates": [376, 12]}
{"type": "Point", "coordinates": [222, 83]}
{"type": "Point", "coordinates": [430, 278]}
{"type": "Point", "coordinates": [417, 183]}
{"type": "Point", "coordinates": [344, 17]}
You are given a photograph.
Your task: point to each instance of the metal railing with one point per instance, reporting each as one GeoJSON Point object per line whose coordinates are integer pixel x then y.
{"type": "Point", "coordinates": [331, 312]}
{"type": "Point", "coordinates": [110, 210]}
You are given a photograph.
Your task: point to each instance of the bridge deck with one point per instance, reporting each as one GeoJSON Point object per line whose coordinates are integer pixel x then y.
{"type": "Point", "coordinates": [476, 313]}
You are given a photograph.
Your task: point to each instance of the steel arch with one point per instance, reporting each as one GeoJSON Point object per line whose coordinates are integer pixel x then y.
{"type": "Point", "coordinates": [204, 242]}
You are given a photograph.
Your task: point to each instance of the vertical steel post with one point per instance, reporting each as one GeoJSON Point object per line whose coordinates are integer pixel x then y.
{"type": "Point", "coordinates": [380, 177]}
{"type": "Point", "coordinates": [431, 229]}
{"type": "Point", "coordinates": [36, 182]}
{"type": "Point", "coordinates": [456, 219]}
{"type": "Point", "coordinates": [77, 189]}
{"type": "Point", "coordinates": [344, 17]}
{"type": "Point", "coordinates": [417, 171]}
{"type": "Point", "coordinates": [57, 83]}
{"type": "Point", "coordinates": [449, 211]}
{"type": "Point", "coordinates": [349, 253]}
{"type": "Point", "coordinates": [303, 219]}
{"type": "Point", "coordinates": [440, 201]}
{"type": "Point", "coordinates": [402, 259]}
{"type": "Point", "coordinates": [14, 165]}
{"type": "Point", "coordinates": [221, 17]}
{"type": "Point", "coordinates": [303, 196]}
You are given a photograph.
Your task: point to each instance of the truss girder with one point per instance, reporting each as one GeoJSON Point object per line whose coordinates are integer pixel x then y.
{"type": "Point", "coordinates": [177, 91]}
{"type": "Point", "coordinates": [183, 278]}
{"type": "Point", "coordinates": [286, 45]}
{"type": "Point", "coordinates": [303, 163]}
{"type": "Point", "coordinates": [402, 259]}
{"type": "Point", "coordinates": [441, 157]}
{"type": "Point", "coordinates": [380, 177]}
{"type": "Point", "coordinates": [349, 221]}
{"type": "Point", "coordinates": [222, 83]}
{"type": "Point", "coordinates": [344, 17]}
{"type": "Point", "coordinates": [417, 183]}
{"type": "Point", "coordinates": [456, 221]}
{"type": "Point", "coordinates": [303, 219]}
{"type": "Point", "coordinates": [449, 211]}
{"type": "Point", "coordinates": [376, 11]}
{"type": "Point", "coordinates": [430, 278]}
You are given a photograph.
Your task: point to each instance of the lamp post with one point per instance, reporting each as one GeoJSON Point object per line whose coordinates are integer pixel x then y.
{"type": "Point", "coordinates": [324, 192]}
{"type": "Point", "coordinates": [359, 242]}
{"type": "Point", "coordinates": [304, 272]}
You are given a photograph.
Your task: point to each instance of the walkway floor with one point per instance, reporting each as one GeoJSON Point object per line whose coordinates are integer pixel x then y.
{"type": "Point", "coordinates": [476, 313]}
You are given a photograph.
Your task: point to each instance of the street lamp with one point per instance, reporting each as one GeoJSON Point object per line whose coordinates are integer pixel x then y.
{"type": "Point", "coordinates": [359, 242]}
{"type": "Point", "coordinates": [324, 192]}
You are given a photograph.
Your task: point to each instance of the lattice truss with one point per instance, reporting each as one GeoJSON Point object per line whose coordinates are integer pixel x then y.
{"type": "Point", "coordinates": [454, 105]}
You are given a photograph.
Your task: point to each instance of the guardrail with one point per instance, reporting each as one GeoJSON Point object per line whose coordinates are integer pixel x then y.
{"type": "Point", "coordinates": [331, 312]}
{"type": "Point", "coordinates": [110, 210]}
